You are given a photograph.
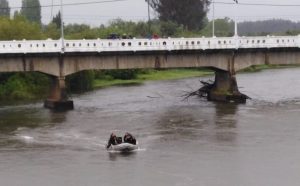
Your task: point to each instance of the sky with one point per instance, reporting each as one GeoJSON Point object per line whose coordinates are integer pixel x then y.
{"type": "Point", "coordinates": [135, 10]}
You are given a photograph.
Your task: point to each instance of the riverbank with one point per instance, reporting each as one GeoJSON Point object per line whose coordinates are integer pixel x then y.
{"type": "Point", "coordinates": [23, 86]}
{"type": "Point", "coordinates": [258, 68]}
{"type": "Point", "coordinates": [172, 74]}
{"type": "Point", "coordinates": [154, 75]}
{"type": "Point", "coordinates": [35, 86]}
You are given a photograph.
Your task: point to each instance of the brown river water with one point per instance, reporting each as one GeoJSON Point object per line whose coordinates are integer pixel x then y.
{"type": "Point", "coordinates": [182, 143]}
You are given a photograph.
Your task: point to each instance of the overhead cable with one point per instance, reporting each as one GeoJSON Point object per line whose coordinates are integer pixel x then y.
{"type": "Point", "coordinates": [68, 4]}
{"type": "Point", "coordinates": [258, 4]}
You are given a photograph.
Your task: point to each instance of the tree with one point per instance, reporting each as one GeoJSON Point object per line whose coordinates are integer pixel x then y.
{"type": "Point", "coordinates": [4, 8]}
{"type": "Point", "coordinates": [189, 13]}
{"type": "Point", "coordinates": [19, 28]}
{"type": "Point", "coordinates": [81, 81]}
{"type": "Point", "coordinates": [223, 28]}
{"type": "Point", "coordinates": [170, 29]}
{"type": "Point", "coordinates": [51, 31]}
{"type": "Point", "coordinates": [31, 10]}
{"type": "Point", "coordinates": [57, 20]}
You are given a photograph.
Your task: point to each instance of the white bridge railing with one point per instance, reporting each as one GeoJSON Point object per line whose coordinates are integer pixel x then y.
{"type": "Point", "coordinates": [163, 44]}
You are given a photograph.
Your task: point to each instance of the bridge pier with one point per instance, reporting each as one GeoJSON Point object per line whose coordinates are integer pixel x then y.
{"type": "Point", "coordinates": [225, 88]}
{"type": "Point", "coordinates": [58, 99]}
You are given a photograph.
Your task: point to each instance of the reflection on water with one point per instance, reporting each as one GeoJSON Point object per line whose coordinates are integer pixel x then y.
{"type": "Point", "coordinates": [114, 156]}
{"type": "Point", "coordinates": [177, 122]}
{"type": "Point", "coordinates": [13, 119]}
{"type": "Point", "coordinates": [189, 122]}
{"type": "Point", "coordinates": [16, 119]}
{"type": "Point", "coordinates": [226, 115]}
{"type": "Point", "coordinates": [57, 117]}
{"type": "Point", "coordinates": [226, 121]}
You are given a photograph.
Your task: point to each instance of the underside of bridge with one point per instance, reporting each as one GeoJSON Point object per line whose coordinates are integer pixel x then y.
{"type": "Point", "coordinates": [225, 63]}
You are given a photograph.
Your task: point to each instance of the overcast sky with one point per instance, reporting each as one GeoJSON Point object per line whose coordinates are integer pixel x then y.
{"type": "Point", "coordinates": [96, 14]}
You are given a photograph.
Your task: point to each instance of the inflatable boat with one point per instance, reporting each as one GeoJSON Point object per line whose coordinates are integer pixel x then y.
{"type": "Point", "coordinates": [123, 147]}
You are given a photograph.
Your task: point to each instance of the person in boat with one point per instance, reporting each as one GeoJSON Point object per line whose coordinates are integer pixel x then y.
{"type": "Point", "coordinates": [113, 140]}
{"type": "Point", "coordinates": [128, 138]}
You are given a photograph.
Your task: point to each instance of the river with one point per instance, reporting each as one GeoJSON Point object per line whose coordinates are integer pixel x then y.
{"type": "Point", "coordinates": [192, 143]}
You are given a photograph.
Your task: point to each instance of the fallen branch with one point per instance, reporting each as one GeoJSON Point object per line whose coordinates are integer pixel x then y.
{"type": "Point", "coordinates": [202, 92]}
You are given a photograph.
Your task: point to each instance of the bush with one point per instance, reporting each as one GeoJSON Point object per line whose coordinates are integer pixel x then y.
{"type": "Point", "coordinates": [24, 86]}
{"type": "Point", "coordinates": [81, 81]}
{"type": "Point", "coordinates": [122, 74]}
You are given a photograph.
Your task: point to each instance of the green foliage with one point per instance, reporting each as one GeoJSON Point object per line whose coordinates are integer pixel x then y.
{"type": "Point", "coordinates": [152, 75]}
{"type": "Point", "coordinates": [24, 86]}
{"type": "Point", "coordinates": [127, 27]}
{"type": "Point", "coordinates": [51, 31]}
{"type": "Point", "coordinates": [223, 28]}
{"type": "Point", "coordinates": [189, 13]}
{"type": "Point", "coordinates": [292, 32]}
{"type": "Point", "coordinates": [57, 20]}
{"type": "Point", "coordinates": [31, 9]}
{"type": "Point", "coordinates": [123, 74]}
{"type": "Point", "coordinates": [80, 31]}
{"type": "Point", "coordinates": [168, 28]}
{"type": "Point", "coordinates": [19, 28]}
{"type": "Point", "coordinates": [4, 77]}
{"type": "Point", "coordinates": [4, 8]}
{"type": "Point", "coordinates": [81, 81]}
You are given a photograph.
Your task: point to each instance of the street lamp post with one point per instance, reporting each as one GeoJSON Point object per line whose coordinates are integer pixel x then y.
{"type": "Point", "coordinates": [235, 18]}
{"type": "Point", "coordinates": [62, 27]}
{"type": "Point", "coordinates": [52, 9]}
{"type": "Point", "coordinates": [213, 21]}
{"type": "Point", "coordinates": [149, 19]}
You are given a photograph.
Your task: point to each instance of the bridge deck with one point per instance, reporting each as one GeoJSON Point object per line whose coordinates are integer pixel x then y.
{"type": "Point", "coordinates": [134, 45]}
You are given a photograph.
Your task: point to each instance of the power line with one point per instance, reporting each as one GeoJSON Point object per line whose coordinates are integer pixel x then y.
{"type": "Point", "coordinates": [97, 15]}
{"type": "Point", "coordinates": [259, 4]}
{"type": "Point", "coordinates": [111, 1]}
{"type": "Point", "coordinates": [283, 17]}
{"type": "Point", "coordinates": [68, 4]}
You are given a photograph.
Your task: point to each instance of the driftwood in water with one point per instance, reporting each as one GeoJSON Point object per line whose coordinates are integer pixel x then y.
{"type": "Point", "coordinates": [205, 92]}
{"type": "Point", "coordinates": [202, 92]}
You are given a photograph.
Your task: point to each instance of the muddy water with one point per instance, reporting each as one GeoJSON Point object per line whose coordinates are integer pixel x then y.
{"type": "Point", "coordinates": [192, 142]}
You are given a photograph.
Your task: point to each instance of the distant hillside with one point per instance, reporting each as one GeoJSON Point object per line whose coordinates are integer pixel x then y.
{"type": "Point", "coordinates": [268, 26]}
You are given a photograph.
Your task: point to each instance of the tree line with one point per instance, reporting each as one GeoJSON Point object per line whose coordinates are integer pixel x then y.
{"type": "Point", "coordinates": [175, 19]}
{"type": "Point", "coordinates": [31, 10]}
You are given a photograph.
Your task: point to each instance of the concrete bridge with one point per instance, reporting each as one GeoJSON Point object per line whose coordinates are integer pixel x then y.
{"type": "Point", "coordinates": [225, 56]}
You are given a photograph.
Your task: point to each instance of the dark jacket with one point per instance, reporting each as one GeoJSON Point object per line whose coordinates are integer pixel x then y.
{"type": "Point", "coordinates": [128, 138]}
{"type": "Point", "coordinates": [114, 140]}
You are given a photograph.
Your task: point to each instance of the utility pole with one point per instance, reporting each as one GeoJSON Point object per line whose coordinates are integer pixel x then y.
{"type": "Point", "coordinates": [62, 27]}
{"type": "Point", "coordinates": [213, 21]}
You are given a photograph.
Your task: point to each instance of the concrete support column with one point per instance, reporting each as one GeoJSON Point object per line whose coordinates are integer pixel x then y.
{"type": "Point", "coordinates": [58, 99]}
{"type": "Point", "coordinates": [225, 88]}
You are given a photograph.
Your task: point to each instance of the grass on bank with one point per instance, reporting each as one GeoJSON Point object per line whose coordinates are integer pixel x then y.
{"type": "Point", "coordinates": [28, 86]}
{"type": "Point", "coordinates": [258, 68]}
{"type": "Point", "coordinates": [171, 74]}
{"type": "Point", "coordinates": [154, 75]}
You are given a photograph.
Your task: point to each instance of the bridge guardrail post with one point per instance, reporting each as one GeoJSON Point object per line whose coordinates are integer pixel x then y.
{"type": "Point", "coordinates": [236, 41]}
{"type": "Point", "coordinates": [298, 41]}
